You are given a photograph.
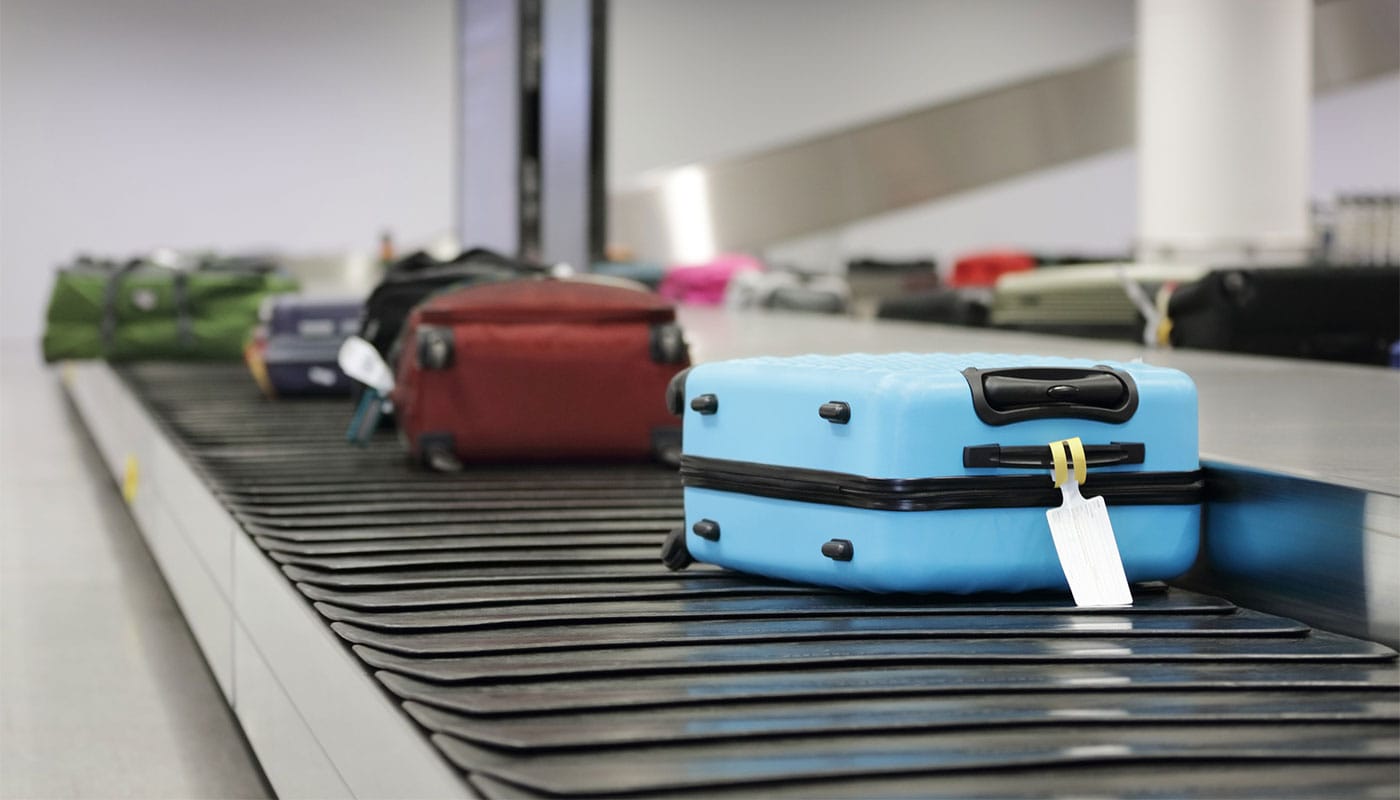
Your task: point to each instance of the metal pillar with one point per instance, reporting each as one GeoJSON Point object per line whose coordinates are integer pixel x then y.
{"type": "Point", "coordinates": [573, 74]}
{"type": "Point", "coordinates": [489, 148]}
{"type": "Point", "coordinates": [531, 178]}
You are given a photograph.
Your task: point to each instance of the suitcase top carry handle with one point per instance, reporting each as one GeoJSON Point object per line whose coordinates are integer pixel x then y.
{"type": "Point", "coordinates": [1040, 457]}
{"type": "Point", "coordinates": [1005, 396]}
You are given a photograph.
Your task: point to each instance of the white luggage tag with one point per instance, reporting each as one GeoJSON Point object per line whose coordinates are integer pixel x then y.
{"type": "Point", "coordinates": [361, 362]}
{"type": "Point", "coordinates": [1083, 535]}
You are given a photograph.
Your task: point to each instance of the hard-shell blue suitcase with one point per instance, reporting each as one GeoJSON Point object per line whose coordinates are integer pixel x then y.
{"type": "Point", "coordinates": [929, 472]}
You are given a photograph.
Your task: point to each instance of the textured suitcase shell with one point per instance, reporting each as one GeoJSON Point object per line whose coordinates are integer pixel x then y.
{"type": "Point", "coordinates": [298, 366]}
{"type": "Point", "coordinates": [910, 416]}
{"type": "Point", "coordinates": [539, 370]}
{"type": "Point", "coordinates": [314, 317]}
{"type": "Point", "coordinates": [303, 338]}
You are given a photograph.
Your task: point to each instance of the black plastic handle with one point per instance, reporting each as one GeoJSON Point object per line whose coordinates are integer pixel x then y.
{"type": "Point", "coordinates": [1007, 392]}
{"type": "Point", "coordinates": [1005, 396]}
{"type": "Point", "coordinates": [1039, 457]}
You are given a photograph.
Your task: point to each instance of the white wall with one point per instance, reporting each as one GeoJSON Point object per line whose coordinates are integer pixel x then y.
{"type": "Point", "coordinates": [691, 80]}
{"type": "Point", "coordinates": [131, 124]}
{"type": "Point", "coordinates": [1088, 206]}
{"type": "Point", "coordinates": [1356, 138]}
{"type": "Point", "coordinates": [1091, 205]}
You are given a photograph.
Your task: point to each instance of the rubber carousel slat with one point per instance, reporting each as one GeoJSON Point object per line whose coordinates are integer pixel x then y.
{"type": "Point", "coordinates": [743, 687]}
{"type": "Point", "coordinates": [642, 659]}
{"type": "Point", "coordinates": [821, 717]}
{"type": "Point", "coordinates": [1200, 780]}
{"type": "Point", "coordinates": [762, 762]}
{"type": "Point", "coordinates": [521, 617]}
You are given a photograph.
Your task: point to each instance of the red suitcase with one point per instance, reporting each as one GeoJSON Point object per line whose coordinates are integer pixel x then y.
{"type": "Point", "coordinates": [537, 370]}
{"type": "Point", "coordinates": [983, 269]}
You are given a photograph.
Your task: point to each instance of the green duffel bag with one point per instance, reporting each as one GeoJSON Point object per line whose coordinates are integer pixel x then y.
{"type": "Point", "coordinates": [140, 310]}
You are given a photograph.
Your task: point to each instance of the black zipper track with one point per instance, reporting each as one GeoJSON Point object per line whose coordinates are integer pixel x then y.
{"type": "Point", "coordinates": [544, 650]}
{"type": "Point", "coordinates": [934, 494]}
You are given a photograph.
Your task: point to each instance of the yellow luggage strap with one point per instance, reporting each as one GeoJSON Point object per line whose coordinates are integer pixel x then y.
{"type": "Point", "coordinates": [1063, 460]}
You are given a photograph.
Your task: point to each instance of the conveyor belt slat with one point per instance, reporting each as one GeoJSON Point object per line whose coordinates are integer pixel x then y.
{"type": "Point", "coordinates": [522, 618]}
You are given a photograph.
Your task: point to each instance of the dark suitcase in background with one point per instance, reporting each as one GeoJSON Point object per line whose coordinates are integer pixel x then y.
{"type": "Point", "coordinates": [887, 276]}
{"type": "Point", "coordinates": [948, 306]}
{"type": "Point", "coordinates": [875, 280]}
{"type": "Point", "coordinates": [1329, 313]}
{"type": "Point", "coordinates": [1062, 259]}
{"type": "Point", "coordinates": [302, 343]}
{"type": "Point", "coordinates": [823, 295]}
{"type": "Point", "coordinates": [539, 370]}
{"type": "Point", "coordinates": [413, 278]}
{"type": "Point", "coordinates": [303, 367]}
{"type": "Point", "coordinates": [313, 317]}
{"type": "Point", "coordinates": [649, 275]}
{"type": "Point", "coordinates": [929, 472]}
{"type": "Point", "coordinates": [788, 290]}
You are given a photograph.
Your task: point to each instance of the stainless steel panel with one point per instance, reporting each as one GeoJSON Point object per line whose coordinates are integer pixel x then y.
{"type": "Point", "coordinates": [1319, 552]}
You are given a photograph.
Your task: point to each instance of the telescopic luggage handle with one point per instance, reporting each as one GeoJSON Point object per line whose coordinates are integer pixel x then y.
{"type": "Point", "coordinates": [1006, 396]}
{"type": "Point", "coordinates": [1041, 457]}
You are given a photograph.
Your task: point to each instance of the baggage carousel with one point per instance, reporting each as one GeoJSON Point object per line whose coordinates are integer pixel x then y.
{"type": "Point", "coordinates": [509, 632]}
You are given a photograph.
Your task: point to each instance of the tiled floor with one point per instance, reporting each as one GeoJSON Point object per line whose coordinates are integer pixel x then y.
{"type": "Point", "coordinates": [103, 692]}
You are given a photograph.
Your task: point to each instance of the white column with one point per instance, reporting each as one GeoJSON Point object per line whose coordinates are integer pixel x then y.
{"type": "Point", "coordinates": [1223, 93]}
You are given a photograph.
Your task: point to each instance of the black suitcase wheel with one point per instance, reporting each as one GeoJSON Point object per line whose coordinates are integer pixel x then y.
{"type": "Point", "coordinates": [668, 344]}
{"type": "Point", "coordinates": [674, 554]}
{"type": "Point", "coordinates": [437, 452]}
{"type": "Point", "coordinates": [439, 460]}
{"type": "Point", "coordinates": [675, 392]}
{"type": "Point", "coordinates": [434, 347]}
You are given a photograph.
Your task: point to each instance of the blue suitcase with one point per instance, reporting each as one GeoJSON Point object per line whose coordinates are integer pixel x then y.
{"type": "Point", "coordinates": [304, 335]}
{"type": "Point", "coordinates": [929, 472]}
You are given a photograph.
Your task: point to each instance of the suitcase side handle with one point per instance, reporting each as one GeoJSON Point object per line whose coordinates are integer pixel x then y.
{"type": "Point", "coordinates": [1006, 396]}
{"type": "Point", "coordinates": [1039, 456]}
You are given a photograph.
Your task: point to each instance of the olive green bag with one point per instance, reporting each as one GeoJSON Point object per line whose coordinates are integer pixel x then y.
{"type": "Point", "coordinates": [140, 310]}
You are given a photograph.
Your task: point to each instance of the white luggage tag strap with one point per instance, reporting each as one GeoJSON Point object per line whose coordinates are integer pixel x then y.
{"type": "Point", "coordinates": [1083, 535]}
{"type": "Point", "coordinates": [361, 362]}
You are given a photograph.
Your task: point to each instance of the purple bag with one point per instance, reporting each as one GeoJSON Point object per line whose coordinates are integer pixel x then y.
{"type": "Point", "coordinates": [314, 317]}
{"type": "Point", "coordinates": [303, 344]}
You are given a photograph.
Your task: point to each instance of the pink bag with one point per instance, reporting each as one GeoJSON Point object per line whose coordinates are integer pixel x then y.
{"type": "Point", "coordinates": [704, 284]}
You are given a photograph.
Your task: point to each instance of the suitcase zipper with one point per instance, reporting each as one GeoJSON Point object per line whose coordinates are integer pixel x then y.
{"type": "Point", "coordinates": [933, 494]}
